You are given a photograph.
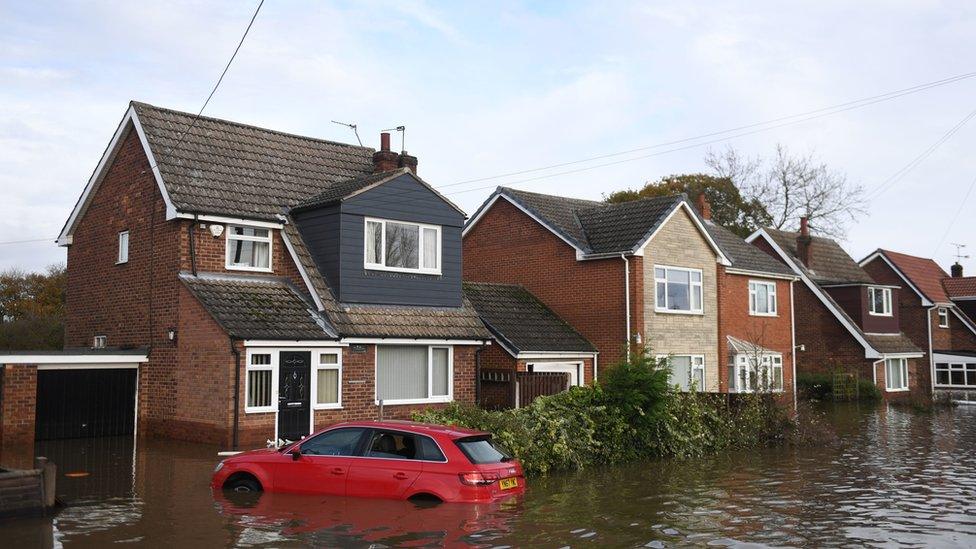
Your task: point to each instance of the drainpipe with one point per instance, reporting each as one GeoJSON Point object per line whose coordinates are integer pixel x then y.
{"type": "Point", "coordinates": [477, 374]}
{"type": "Point", "coordinates": [237, 391]}
{"type": "Point", "coordinates": [928, 320]}
{"type": "Point", "coordinates": [793, 348]}
{"type": "Point", "coordinates": [595, 376]}
{"type": "Point", "coordinates": [627, 296]}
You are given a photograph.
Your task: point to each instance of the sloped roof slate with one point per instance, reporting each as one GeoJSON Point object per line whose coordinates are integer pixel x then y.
{"type": "Point", "coordinates": [829, 263]}
{"type": "Point", "coordinates": [960, 287]}
{"type": "Point", "coordinates": [743, 255]}
{"type": "Point", "coordinates": [924, 273]}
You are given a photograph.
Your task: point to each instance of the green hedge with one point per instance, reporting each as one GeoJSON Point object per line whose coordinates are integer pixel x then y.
{"type": "Point", "coordinates": [633, 414]}
{"type": "Point", "coordinates": [821, 387]}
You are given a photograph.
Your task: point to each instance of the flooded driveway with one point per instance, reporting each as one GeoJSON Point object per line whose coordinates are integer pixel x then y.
{"type": "Point", "coordinates": [895, 477]}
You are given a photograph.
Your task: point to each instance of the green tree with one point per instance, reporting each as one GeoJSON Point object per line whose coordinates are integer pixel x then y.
{"type": "Point", "coordinates": [729, 208]}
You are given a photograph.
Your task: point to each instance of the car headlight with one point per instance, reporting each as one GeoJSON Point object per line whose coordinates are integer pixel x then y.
{"type": "Point", "coordinates": [219, 466]}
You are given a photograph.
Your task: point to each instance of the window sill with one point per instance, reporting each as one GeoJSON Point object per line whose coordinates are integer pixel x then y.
{"type": "Point", "coordinates": [678, 312]}
{"type": "Point", "coordinates": [889, 315]}
{"type": "Point", "coordinates": [943, 327]}
{"type": "Point", "coordinates": [122, 262]}
{"type": "Point", "coordinates": [767, 315]}
{"type": "Point", "coordinates": [259, 410]}
{"type": "Point", "coordinates": [327, 406]}
{"type": "Point", "coordinates": [435, 400]}
{"type": "Point", "coordinates": [432, 272]}
{"type": "Point", "coordinates": [904, 390]}
{"type": "Point", "coordinates": [249, 269]}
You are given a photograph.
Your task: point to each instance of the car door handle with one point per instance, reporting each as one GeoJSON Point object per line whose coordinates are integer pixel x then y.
{"type": "Point", "coordinates": [400, 475]}
{"type": "Point", "coordinates": [338, 471]}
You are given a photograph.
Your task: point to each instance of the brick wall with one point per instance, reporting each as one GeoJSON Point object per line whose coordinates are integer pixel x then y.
{"type": "Point", "coordinates": [18, 391]}
{"type": "Point", "coordinates": [508, 246]}
{"type": "Point", "coordinates": [210, 253]}
{"type": "Point", "coordinates": [774, 333]}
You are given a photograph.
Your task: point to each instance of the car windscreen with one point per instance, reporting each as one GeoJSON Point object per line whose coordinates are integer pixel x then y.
{"type": "Point", "coordinates": [481, 449]}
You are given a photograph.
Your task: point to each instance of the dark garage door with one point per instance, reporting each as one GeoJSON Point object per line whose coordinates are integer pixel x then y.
{"type": "Point", "coordinates": [85, 403]}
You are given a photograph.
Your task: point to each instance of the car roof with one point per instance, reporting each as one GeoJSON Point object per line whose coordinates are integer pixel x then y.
{"type": "Point", "coordinates": [450, 431]}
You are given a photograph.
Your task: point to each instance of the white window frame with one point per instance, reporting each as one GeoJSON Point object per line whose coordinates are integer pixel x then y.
{"type": "Point", "coordinates": [228, 232]}
{"type": "Point", "coordinates": [767, 362]}
{"type": "Point", "coordinates": [702, 367]}
{"type": "Point", "coordinates": [123, 252]}
{"type": "Point", "coordinates": [430, 378]}
{"type": "Point", "coordinates": [771, 298]}
{"type": "Point", "coordinates": [560, 367]}
{"type": "Point", "coordinates": [316, 368]}
{"type": "Point", "coordinates": [99, 342]}
{"type": "Point", "coordinates": [273, 368]}
{"type": "Point", "coordinates": [943, 317]}
{"type": "Point", "coordinates": [886, 301]}
{"type": "Point", "coordinates": [904, 367]}
{"type": "Point", "coordinates": [950, 367]}
{"type": "Point", "coordinates": [691, 284]}
{"type": "Point", "coordinates": [420, 251]}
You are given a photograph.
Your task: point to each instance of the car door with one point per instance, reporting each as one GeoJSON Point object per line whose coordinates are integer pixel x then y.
{"type": "Point", "coordinates": [388, 467]}
{"type": "Point", "coordinates": [322, 466]}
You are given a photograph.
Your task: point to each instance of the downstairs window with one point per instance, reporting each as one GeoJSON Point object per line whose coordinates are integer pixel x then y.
{"type": "Point", "coordinates": [413, 374]}
{"type": "Point", "coordinates": [896, 374]}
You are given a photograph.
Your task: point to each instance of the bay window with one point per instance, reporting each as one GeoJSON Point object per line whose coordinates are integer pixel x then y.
{"type": "Point", "coordinates": [762, 298]}
{"type": "Point", "coordinates": [259, 382]}
{"type": "Point", "coordinates": [248, 248]}
{"type": "Point", "coordinates": [413, 374]}
{"type": "Point", "coordinates": [687, 372]}
{"type": "Point", "coordinates": [896, 374]}
{"type": "Point", "coordinates": [401, 246]}
{"type": "Point", "coordinates": [677, 290]}
{"type": "Point", "coordinates": [751, 373]}
{"type": "Point", "coordinates": [327, 385]}
{"type": "Point", "coordinates": [879, 301]}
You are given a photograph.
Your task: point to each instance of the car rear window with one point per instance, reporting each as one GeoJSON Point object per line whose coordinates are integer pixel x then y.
{"type": "Point", "coordinates": [480, 450]}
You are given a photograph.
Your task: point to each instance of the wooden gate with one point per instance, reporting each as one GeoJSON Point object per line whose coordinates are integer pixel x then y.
{"type": "Point", "coordinates": [532, 385]}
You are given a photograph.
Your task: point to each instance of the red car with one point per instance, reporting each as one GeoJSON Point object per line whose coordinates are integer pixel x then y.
{"type": "Point", "coordinates": [387, 459]}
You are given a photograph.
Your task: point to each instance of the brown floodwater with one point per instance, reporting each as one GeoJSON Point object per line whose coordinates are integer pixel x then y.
{"type": "Point", "coordinates": [895, 477]}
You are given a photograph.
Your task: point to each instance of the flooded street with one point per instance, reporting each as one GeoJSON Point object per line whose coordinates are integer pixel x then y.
{"type": "Point", "coordinates": [895, 477]}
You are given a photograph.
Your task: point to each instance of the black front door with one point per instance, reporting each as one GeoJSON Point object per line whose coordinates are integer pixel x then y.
{"type": "Point", "coordinates": [294, 374]}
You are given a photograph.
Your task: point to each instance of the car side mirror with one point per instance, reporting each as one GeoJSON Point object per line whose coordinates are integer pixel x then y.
{"type": "Point", "coordinates": [296, 454]}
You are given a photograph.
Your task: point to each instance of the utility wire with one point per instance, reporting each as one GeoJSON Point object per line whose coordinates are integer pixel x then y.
{"type": "Point", "coordinates": [833, 109]}
{"type": "Point", "coordinates": [955, 218]}
{"type": "Point", "coordinates": [26, 241]}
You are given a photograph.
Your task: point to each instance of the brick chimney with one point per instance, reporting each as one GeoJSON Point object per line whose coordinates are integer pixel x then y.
{"type": "Point", "coordinates": [704, 208]}
{"type": "Point", "coordinates": [385, 160]}
{"type": "Point", "coordinates": [803, 241]}
{"type": "Point", "coordinates": [956, 270]}
{"type": "Point", "coordinates": [407, 161]}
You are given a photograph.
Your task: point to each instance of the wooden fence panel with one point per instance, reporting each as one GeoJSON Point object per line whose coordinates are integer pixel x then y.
{"type": "Point", "coordinates": [532, 385]}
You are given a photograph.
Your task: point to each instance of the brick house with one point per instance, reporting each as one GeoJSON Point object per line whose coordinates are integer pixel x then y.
{"type": "Point", "coordinates": [755, 315]}
{"type": "Point", "coordinates": [256, 285]}
{"type": "Point", "coordinates": [930, 317]}
{"type": "Point", "coordinates": [844, 318]}
{"type": "Point", "coordinates": [961, 290]}
{"type": "Point", "coordinates": [644, 271]}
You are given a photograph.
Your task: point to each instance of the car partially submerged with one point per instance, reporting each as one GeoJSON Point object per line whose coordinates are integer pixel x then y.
{"type": "Point", "coordinates": [384, 459]}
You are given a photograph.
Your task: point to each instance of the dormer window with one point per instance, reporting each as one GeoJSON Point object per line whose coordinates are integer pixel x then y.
{"type": "Point", "coordinates": [879, 301]}
{"type": "Point", "coordinates": [402, 247]}
{"type": "Point", "coordinates": [248, 248]}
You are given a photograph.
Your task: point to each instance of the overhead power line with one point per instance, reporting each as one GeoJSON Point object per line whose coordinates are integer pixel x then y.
{"type": "Point", "coordinates": [955, 218]}
{"type": "Point", "coordinates": [27, 241]}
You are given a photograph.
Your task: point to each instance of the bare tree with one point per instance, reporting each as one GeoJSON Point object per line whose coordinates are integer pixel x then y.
{"type": "Point", "coordinates": [790, 186]}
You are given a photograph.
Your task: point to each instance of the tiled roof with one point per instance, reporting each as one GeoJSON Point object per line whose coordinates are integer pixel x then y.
{"type": "Point", "coordinates": [387, 320]}
{"type": "Point", "coordinates": [893, 343]}
{"type": "Point", "coordinates": [829, 263]}
{"type": "Point", "coordinates": [960, 287]}
{"type": "Point", "coordinates": [743, 255]}
{"type": "Point", "coordinates": [597, 227]}
{"type": "Point", "coordinates": [258, 307]}
{"type": "Point", "coordinates": [345, 188]}
{"type": "Point", "coordinates": [521, 321]}
{"type": "Point", "coordinates": [924, 273]}
{"type": "Point", "coordinates": [222, 167]}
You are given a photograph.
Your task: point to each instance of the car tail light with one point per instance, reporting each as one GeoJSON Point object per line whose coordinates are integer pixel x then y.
{"type": "Point", "coordinates": [478, 479]}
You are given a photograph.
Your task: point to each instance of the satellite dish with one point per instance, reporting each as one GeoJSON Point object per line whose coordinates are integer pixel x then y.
{"type": "Point", "coordinates": [216, 230]}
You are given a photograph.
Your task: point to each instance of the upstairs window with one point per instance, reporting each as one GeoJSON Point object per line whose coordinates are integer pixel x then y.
{"type": "Point", "coordinates": [99, 342]}
{"type": "Point", "coordinates": [402, 247]}
{"type": "Point", "coordinates": [762, 298]}
{"type": "Point", "coordinates": [943, 317]}
{"type": "Point", "coordinates": [879, 301]}
{"type": "Point", "coordinates": [677, 290]}
{"type": "Point", "coordinates": [123, 256]}
{"type": "Point", "coordinates": [248, 248]}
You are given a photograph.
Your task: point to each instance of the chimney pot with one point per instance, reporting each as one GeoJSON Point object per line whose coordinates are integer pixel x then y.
{"type": "Point", "coordinates": [956, 270]}
{"type": "Point", "coordinates": [704, 208]}
{"type": "Point", "coordinates": [385, 141]}
{"type": "Point", "coordinates": [803, 242]}
{"type": "Point", "coordinates": [384, 160]}
{"type": "Point", "coordinates": [804, 226]}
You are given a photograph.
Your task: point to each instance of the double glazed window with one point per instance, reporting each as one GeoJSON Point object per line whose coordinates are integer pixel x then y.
{"type": "Point", "coordinates": [404, 247]}
{"type": "Point", "coordinates": [677, 290]}
{"type": "Point", "coordinates": [328, 380]}
{"type": "Point", "coordinates": [751, 373]}
{"type": "Point", "coordinates": [248, 248]}
{"type": "Point", "coordinates": [261, 380]}
{"type": "Point", "coordinates": [411, 374]}
{"type": "Point", "coordinates": [896, 374]}
{"type": "Point", "coordinates": [687, 371]}
{"type": "Point", "coordinates": [123, 255]}
{"type": "Point", "coordinates": [943, 317]}
{"type": "Point", "coordinates": [259, 383]}
{"type": "Point", "coordinates": [762, 298]}
{"type": "Point", "coordinates": [955, 374]}
{"type": "Point", "coordinates": [879, 301]}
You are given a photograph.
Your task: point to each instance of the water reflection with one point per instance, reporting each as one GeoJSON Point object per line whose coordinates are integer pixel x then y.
{"type": "Point", "coordinates": [893, 477]}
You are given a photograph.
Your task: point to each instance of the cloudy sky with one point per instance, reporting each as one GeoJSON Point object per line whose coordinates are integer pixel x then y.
{"type": "Point", "coordinates": [491, 88]}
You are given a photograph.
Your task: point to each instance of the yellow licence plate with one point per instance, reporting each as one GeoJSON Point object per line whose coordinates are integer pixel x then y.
{"type": "Point", "coordinates": [508, 483]}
